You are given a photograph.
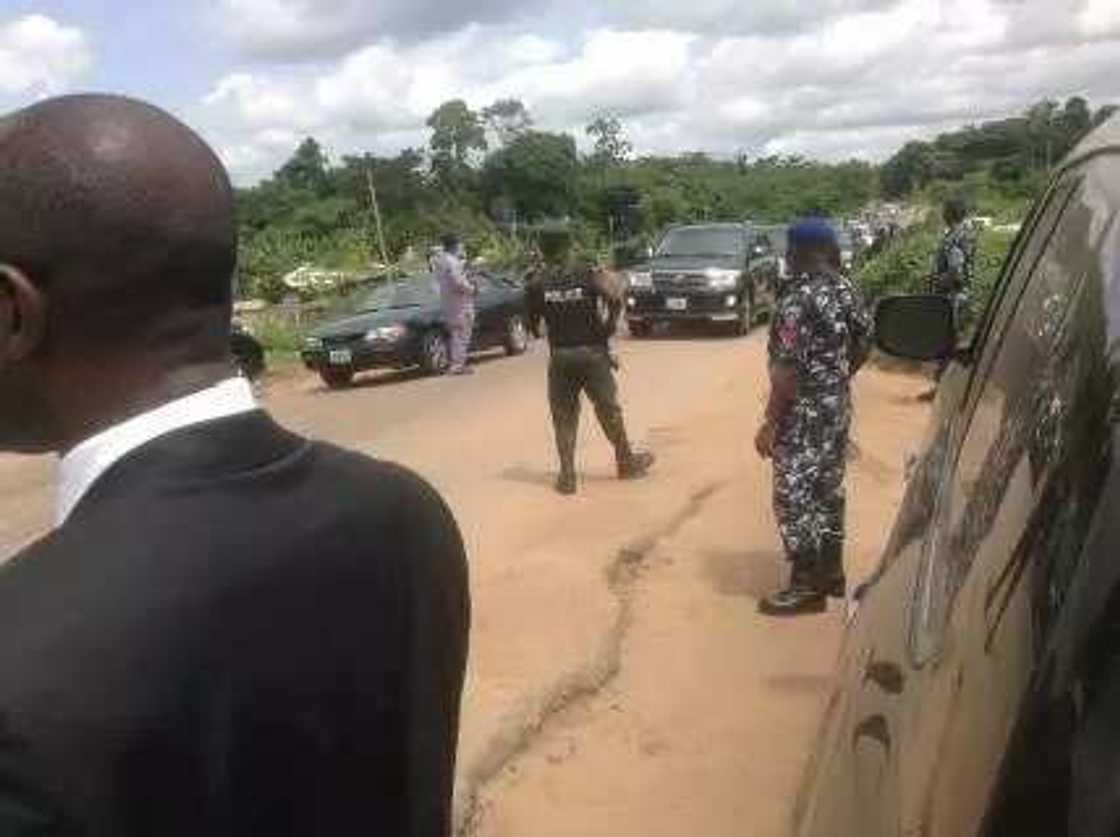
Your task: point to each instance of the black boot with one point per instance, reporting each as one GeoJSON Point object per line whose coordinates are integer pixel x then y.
{"type": "Point", "coordinates": [635, 465]}
{"type": "Point", "coordinates": [830, 569]}
{"type": "Point", "coordinates": [803, 595]}
{"type": "Point", "coordinates": [566, 483]}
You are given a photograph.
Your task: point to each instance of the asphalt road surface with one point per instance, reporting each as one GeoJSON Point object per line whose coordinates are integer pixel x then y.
{"type": "Point", "coordinates": [621, 682]}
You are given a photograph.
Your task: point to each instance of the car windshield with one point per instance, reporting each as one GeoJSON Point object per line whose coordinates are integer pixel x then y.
{"type": "Point", "coordinates": [413, 292]}
{"type": "Point", "coordinates": [701, 241]}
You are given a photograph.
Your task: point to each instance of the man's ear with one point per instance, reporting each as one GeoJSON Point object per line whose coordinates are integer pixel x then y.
{"type": "Point", "coordinates": [23, 315]}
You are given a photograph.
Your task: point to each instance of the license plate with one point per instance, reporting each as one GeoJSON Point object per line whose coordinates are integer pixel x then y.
{"type": "Point", "coordinates": [676, 304]}
{"type": "Point", "coordinates": [341, 357]}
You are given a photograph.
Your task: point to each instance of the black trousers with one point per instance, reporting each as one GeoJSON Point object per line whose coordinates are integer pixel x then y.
{"type": "Point", "coordinates": [572, 372]}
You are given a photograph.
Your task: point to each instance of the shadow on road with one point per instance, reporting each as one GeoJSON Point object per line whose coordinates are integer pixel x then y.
{"type": "Point", "coordinates": [535, 476]}
{"type": "Point", "coordinates": [754, 574]}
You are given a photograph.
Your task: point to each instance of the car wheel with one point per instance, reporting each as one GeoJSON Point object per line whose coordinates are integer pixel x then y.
{"type": "Point", "coordinates": [517, 335]}
{"type": "Point", "coordinates": [435, 356]}
{"type": "Point", "coordinates": [639, 329]}
{"type": "Point", "coordinates": [337, 377]}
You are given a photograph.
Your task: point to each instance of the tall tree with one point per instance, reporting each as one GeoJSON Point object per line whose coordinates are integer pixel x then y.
{"type": "Point", "coordinates": [507, 119]}
{"type": "Point", "coordinates": [536, 173]}
{"type": "Point", "coordinates": [457, 134]}
{"type": "Point", "coordinates": [611, 145]}
{"type": "Point", "coordinates": [306, 169]}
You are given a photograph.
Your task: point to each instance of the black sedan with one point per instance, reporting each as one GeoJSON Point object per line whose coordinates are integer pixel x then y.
{"type": "Point", "coordinates": [400, 325]}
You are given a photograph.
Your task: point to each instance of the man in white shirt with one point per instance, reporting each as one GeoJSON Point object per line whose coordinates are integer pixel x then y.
{"type": "Point", "coordinates": [457, 293]}
{"type": "Point", "coordinates": [232, 630]}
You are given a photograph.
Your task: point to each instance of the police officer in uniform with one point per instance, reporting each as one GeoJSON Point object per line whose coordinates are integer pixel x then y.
{"type": "Point", "coordinates": [952, 275]}
{"type": "Point", "coordinates": [818, 340]}
{"type": "Point", "coordinates": [581, 304]}
{"type": "Point", "coordinates": [953, 268]}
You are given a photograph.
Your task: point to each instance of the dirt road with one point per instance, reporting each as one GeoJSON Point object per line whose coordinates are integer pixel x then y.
{"type": "Point", "coordinates": [621, 682]}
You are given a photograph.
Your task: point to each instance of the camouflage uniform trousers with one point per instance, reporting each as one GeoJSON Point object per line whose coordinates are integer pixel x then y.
{"type": "Point", "coordinates": [810, 459]}
{"type": "Point", "coordinates": [571, 372]}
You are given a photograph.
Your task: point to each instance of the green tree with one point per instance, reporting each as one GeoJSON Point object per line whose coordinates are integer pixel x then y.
{"type": "Point", "coordinates": [306, 169]}
{"type": "Point", "coordinates": [536, 173]}
{"type": "Point", "coordinates": [612, 148]}
{"type": "Point", "coordinates": [457, 134]}
{"type": "Point", "coordinates": [507, 119]}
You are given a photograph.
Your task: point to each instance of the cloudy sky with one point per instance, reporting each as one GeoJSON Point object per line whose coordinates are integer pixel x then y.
{"type": "Point", "coordinates": [826, 78]}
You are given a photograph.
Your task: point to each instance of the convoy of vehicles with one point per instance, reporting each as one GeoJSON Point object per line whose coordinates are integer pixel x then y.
{"type": "Point", "coordinates": [979, 691]}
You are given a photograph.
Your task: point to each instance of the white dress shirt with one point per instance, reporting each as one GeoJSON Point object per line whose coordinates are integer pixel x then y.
{"type": "Point", "coordinates": [85, 464]}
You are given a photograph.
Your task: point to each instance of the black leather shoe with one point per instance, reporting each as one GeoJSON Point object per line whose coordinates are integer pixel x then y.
{"type": "Point", "coordinates": [637, 466]}
{"type": "Point", "coordinates": [566, 484]}
{"type": "Point", "coordinates": [795, 600]}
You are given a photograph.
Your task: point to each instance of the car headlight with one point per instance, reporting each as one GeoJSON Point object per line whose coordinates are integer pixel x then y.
{"type": "Point", "coordinates": [313, 343]}
{"type": "Point", "coordinates": [386, 334]}
{"type": "Point", "coordinates": [721, 280]}
{"type": "Point", "coordinates": [642, 279]}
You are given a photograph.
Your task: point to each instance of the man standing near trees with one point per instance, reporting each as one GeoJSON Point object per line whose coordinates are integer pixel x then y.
{"type": "Point", "coordinates": [457, 293]}
{"type": "Point", "coordinates": [581, 305]}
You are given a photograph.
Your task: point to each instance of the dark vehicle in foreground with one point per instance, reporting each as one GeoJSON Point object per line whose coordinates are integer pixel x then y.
{"type": "Point", "coordinates": [400, 325]}
{"type": "Point", "coordinates": [979, 691]}
{"type": "Point", "coordinates": [701, 272]}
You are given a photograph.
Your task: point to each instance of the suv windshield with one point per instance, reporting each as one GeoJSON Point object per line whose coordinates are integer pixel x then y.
{"type": "Point", "coordinates": [701, 241]}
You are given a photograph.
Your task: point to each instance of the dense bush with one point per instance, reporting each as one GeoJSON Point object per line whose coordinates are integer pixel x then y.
{"type": "Point", "coordinates": [906, 265]}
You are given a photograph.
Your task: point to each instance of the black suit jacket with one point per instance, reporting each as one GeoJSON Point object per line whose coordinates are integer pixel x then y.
{"type": "Point", "coordinates": [237, 632]}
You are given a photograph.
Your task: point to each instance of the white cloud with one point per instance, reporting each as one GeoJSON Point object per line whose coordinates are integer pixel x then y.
{"type": "Point", "coordinates": [305, 29]}
{"type": "Point", "coordinates": [846, 77]}
{"type": "Point", "coordinates": [39, 56]}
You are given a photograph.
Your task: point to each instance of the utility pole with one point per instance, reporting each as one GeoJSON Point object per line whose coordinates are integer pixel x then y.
{"type": "Point", "coordinates": [376, 216]}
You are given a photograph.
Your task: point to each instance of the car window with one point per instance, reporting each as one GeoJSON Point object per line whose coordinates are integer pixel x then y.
{"type": "Point", "coordinates": [1008, 391]}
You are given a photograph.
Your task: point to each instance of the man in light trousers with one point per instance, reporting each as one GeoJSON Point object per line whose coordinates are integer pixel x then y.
{"type": "Point", "coordinates": [457, 293]}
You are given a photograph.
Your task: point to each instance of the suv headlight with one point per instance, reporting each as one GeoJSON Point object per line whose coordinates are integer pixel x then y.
{"type": "Point", "coordinates": [641, 279]}
{"type": "Point", "coordinates": [386, 334]}
{"type": "Point", "coordinates": [722, 280]}
{"type": "Point", "coordinates": [313, 343]}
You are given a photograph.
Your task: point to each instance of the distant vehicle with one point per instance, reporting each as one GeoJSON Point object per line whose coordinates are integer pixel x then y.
{"type": "Point", "coordinates": [400, 325]}
{"type": "Point", "coordinates": [248, 353]}
{"type": "Point", "coordinates": [979, 690]}
{"type": "Point", "coordinates": [716, 273]}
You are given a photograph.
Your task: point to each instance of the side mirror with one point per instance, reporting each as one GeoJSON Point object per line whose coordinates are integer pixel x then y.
{"type": "Point", "coordinates": [918, 327]}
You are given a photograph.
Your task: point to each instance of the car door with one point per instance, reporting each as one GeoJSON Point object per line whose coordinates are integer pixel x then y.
{"type": "Point", "coordinates": [971, 635]}
{"type": "Point", "coordinates": [901, 685]}
{"type": "Point", "coordinates": [490, 315]}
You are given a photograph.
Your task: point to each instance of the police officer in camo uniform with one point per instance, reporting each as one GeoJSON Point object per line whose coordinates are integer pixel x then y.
{"type": "Point", "coordinates": [952, 270]}
{"type": "Point", "coordinates": [581, 304]}
{"type": "Point", "coordinates": [819, 338]}
{"type": "Point", "coordinates": [952, 274]}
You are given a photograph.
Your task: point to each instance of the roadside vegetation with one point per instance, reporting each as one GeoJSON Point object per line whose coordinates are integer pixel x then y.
{"type": "Point", "coordinates": [490, 174]}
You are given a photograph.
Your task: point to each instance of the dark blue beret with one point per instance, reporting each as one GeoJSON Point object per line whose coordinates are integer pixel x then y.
{"type": "Point", "coordinates": [812, 232]}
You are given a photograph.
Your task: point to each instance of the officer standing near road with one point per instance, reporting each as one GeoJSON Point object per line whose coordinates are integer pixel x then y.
{"type": "Point", "coordinates": [952, 269]}
{"type": "Point", "coordinates": [581, 305]}
{"type": "Point", "coordinates": [819, 338]}
{"type": "Point", "coordinates": [952, 274]}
